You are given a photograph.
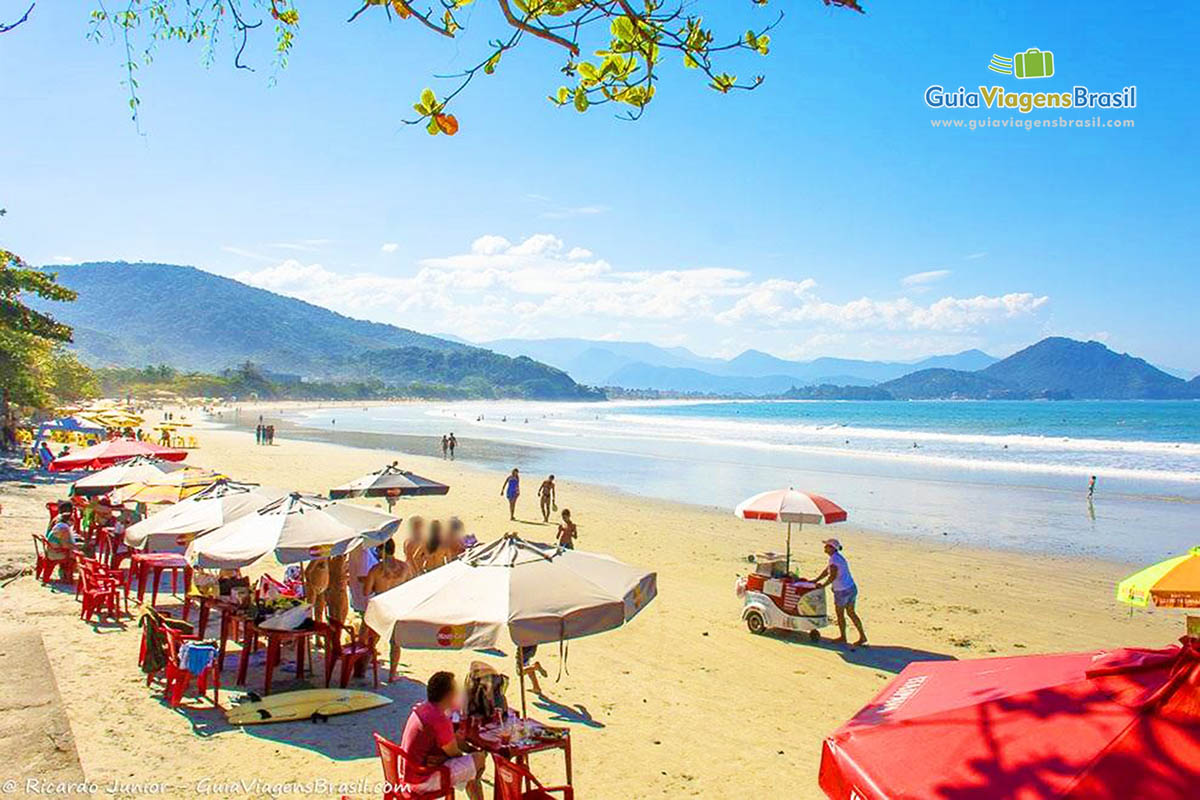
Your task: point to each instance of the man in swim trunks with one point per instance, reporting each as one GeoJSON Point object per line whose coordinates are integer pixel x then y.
{"type": "Point", "coordinates": [389, 573]}
{"type": "Point", "coordinates": [547, 497]}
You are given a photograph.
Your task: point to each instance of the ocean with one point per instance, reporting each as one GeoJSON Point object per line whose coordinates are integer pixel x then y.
{"type": "Point", "coordinates": [1010, 475]}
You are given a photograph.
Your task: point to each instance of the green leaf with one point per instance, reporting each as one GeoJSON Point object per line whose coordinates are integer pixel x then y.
{"type": "Point", "coordinates": [581, 100]}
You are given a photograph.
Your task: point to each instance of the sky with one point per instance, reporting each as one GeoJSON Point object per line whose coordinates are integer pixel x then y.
{"type": "Point", "coordinates": [822, 214]}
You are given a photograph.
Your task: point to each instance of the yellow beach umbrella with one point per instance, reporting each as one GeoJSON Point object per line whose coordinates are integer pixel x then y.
{"type": "Point", "coordinates": [168, 488]}
{"type": "Point", "coordinates": [1174, 583]}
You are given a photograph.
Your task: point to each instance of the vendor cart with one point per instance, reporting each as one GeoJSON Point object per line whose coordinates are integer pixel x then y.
{"type": "Point", "coordinates": [773, 599]}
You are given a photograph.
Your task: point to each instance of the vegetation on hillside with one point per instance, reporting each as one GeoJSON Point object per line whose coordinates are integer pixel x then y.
{"type": "Point", "coordinates": [249, 381]}
{"type": "Point", "coordinates": [35, 368]}
{"type": "Point", "coordinates": [129, 315]}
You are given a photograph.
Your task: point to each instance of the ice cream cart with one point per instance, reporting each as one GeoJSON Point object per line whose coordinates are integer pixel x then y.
{"type": "Point", "coordinates": [772, 599]}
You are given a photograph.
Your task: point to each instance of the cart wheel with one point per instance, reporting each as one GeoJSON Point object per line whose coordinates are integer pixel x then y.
{"type": "Point", "coordinates": [755, 622]}
{"type": "Point", "coordinates": [814, 636]}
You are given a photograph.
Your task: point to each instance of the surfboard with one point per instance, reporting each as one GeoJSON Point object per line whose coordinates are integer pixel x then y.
{"type": "Point", "coordinates": [306, 704]}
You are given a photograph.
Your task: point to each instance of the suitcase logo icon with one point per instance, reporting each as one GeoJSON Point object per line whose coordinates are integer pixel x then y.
{"type": "Point", "coordinates": [1033, 63]}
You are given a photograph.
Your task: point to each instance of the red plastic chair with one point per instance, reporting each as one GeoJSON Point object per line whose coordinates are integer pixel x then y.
{"type": "Point", "coordinates": [178, 677]}
{"type": "Point", "coordinates": [353, 656]}
{"type": "Point", "coordinates": [393, 757]}
{"type": "Point", "coordinates": [156, 619]}
{"type": "Point", "coordinates": [44, 566]}
{"type": "Point", "coordinates": [98, 593]}
{"type": "Point", "coordinates": [512, 781]}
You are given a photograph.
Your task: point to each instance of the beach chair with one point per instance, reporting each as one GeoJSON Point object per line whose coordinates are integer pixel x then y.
{"type": "Point", "coordinates": [97, 592]}
{"type": "Point", "coordinates": [392, 757]}
{"type": "Point", "coordinates": [152, 654]}
{"type": "Point", "coordinates": [44, 566]}
{"type": "Point", "coordinates": [514, 782]}
{"type": "Point", "coordinates": [353, 656]}
{"type": "Point", "coordinates": [177, 675]}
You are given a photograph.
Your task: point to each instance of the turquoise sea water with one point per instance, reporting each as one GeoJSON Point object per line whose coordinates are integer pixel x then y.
{"type": "Point", "coordinates": [995, 474]}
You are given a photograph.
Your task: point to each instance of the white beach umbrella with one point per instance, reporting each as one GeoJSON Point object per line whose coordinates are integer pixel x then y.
{"type": "Point", "coordinates": [297, 527]}
{"type": "Point", "coordinates": [512, 590]}
{"type": "Point", "coordinates": [171, 530]}
{"type": "Point", "coordinates": [132, 470]}
{"type": "Point", "coordinates": [790, 505]}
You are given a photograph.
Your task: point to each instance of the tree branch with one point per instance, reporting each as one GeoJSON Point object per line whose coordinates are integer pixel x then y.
{"type": "Point", "coordinates": [5, 27]}
{"type": "Point", "coordinates": [541, 33]}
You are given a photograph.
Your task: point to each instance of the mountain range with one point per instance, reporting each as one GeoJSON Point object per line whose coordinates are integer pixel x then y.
{"type": "Point", "coordinates": [133, 315]}
{"type": "Point", "coordinates": [1054, 368]}
{"type": "Point", "coordinates": [640, 365]}
{"type": "Point", "coordinates": [139, 314]}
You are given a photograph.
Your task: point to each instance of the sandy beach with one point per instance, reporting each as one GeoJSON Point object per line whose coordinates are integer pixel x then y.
{"type": "Point", "coordinates": [683, 702]}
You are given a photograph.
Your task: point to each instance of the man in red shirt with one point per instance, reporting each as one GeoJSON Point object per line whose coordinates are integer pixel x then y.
{"type": "Point", "coordinates": [430, 742]}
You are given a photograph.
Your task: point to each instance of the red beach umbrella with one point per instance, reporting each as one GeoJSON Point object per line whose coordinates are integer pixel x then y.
{"type": "Point", "coordinates": [789, 505]}
{"type": "Point", "coordinates": [1107, 725]}
{"type": "Point", "coordinates": [109, 452]}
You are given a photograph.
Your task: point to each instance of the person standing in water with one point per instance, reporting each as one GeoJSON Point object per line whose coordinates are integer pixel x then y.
{"type": "Point", "coordinates": [1091, 488]}
{"type": "Point", "coordinates": [445, 447]}
{"type": "Point", "coordinates": [453, 444]}
{"type": "Point", "coordinates": [512, 490]}
{"type": "Point", "coordinates": [547, 498]}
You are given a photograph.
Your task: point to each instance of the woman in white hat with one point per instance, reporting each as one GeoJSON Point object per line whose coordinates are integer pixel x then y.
{"type": "Point", "coordinates": [845, 591]}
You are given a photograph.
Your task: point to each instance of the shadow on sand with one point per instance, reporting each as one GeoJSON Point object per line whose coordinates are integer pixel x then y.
{"type": "Point", "coordinates": [883, 657]}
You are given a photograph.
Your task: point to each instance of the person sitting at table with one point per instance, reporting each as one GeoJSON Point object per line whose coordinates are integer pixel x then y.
{"type": "Point", "coordinates": [60, 543]}
{"type": "Point", "coordinates": [387, 574]}
{"type": "Point", "coordinates": [429, 742]}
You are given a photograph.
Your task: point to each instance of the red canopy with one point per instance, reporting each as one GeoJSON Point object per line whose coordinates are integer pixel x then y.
{"type": "Point", "coordinates": [1109, 725]}
{"type": "Point", "coordinates": [110, 452]}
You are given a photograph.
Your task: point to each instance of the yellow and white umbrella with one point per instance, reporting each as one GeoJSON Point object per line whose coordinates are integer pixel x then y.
{"type": "Point", "coordinates": [170, 487]}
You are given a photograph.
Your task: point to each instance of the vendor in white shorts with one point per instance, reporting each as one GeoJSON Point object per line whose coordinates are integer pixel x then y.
{"type": "Point", "coordinates": [845, 591]}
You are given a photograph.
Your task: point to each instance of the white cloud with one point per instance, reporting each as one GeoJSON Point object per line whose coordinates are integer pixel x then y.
{"type": "Point", "coordinates": [925, 278]}
{"type": "Point", "coordinates": [64, 260]}
{"type": "Point", "coordinates": [389, 247]}
{"type": "Point", "coordinates": [975, 256]}
{"type": "Point", "coordinates": [539, 286]}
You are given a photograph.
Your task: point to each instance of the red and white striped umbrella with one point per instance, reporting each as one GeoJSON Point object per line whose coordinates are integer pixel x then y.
{"type": "Point", "coordinates": [789, 505]}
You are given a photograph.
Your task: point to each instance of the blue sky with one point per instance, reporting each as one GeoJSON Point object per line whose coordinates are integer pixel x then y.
{"type": "Point", "coordinates": [785, 219]}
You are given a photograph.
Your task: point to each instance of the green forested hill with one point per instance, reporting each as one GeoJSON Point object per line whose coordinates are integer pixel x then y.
{"type": "Point", "coordinates": [138, 314]}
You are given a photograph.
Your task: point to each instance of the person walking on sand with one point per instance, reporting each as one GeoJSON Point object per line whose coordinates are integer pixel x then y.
{"type": "Point", "coordinates": [453, 444]}
{"type": "Point", "coordinates": [547, 498]}
{"type": "Point", "coordinates": [445, 447]}
{"type": "Point", "coordinates": [512, 490]}
{"type": "Point", "coordinates": [389, 573]}
{"type": "Point", "coordinates": [567, 532]}
{"type": "Point", "coordinates": [845, 592]}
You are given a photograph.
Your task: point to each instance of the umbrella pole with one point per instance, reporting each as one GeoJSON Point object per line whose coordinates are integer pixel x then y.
{"type": "Point", "coordinates": [787, 565]}
{"type": "Point", "coordinates": [521, 672]}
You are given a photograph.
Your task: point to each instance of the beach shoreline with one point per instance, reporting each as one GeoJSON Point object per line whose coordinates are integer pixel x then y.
{"type": "Point", "coordinates": [643, 702]}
